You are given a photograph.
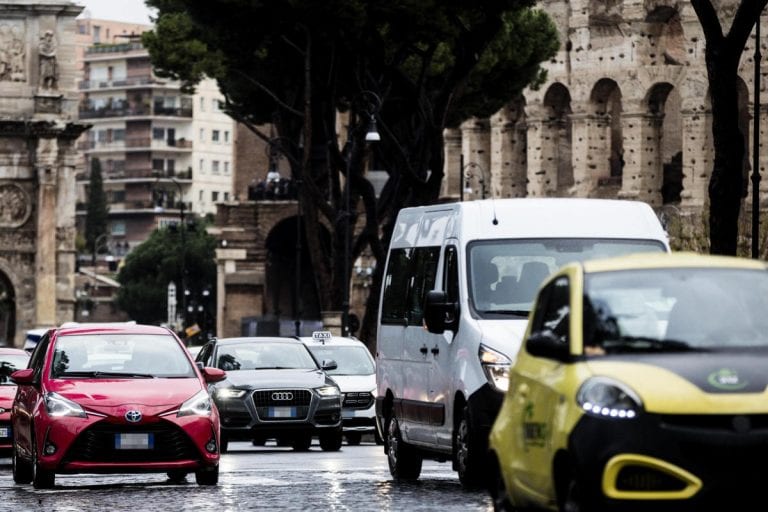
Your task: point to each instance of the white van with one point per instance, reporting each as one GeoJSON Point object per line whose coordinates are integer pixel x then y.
{"type": "Point", "coordinates": [458, 285]}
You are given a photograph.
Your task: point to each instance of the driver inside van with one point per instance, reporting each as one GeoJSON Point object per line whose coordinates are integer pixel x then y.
{"type": "Point", "coordinates": [486, 273]}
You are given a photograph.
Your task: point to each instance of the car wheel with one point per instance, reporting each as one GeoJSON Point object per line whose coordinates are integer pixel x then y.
{"type": "Point", "coordinates": [404, 461]}
{"type": "Point", "coordinates": [331, 442]}
{"type": "Point", "coordinates": [354, 438]}
{"type": "Point", "coordinates": [570, 494]}
{"type": "Point", "coordinates": [207, 476]}
{"type": "Point", "coordinates": [41, 478]}
{"type": "Point", "coordinates": [302, 442]}
{"type": "Point", "coordinates": [177, 475]}
{"type": "Point", "coordinates": [223, 444]}
{"type": "Point", "coordinates": [22, 469]}
{"type": "Point", "coordinates": [259, 441]}
{"type": "Point", "coordinates": [470, 462]}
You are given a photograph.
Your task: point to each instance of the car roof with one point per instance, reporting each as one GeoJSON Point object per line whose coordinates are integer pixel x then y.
{"type": "Point", "coordinates": [673, 260]}
{"type": "Point", "coordinates": [256, 339]}
{"type": "Point", "coordinates": [13, 351]}
{"type": "Point", "coordinates": [335, 340]}
{"type": "Point", "coordinates": [111, 328]}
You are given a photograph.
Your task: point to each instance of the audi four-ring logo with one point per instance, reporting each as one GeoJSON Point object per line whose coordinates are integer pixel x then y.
{"type": "Point", "coordinates": [133, 416]}
{"type": "Point", "coordinates": [282, 396]}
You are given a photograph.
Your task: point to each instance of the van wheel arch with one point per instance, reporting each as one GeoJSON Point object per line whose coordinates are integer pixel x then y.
{"type": "Point", "coordinates": [386, 412]}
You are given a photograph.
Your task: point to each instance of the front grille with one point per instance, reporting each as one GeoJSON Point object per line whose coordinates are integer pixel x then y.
{"type": "Point", "coordinates": [645, 479]}
{"type": "Point", "coordinates": [97, 444]}
{"type": "Point", "coordinates": [357, 400]}
{"type": "Point", "coordinates": [282, 404]}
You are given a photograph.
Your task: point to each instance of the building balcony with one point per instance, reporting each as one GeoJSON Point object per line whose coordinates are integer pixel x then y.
{"type": "Point", "coordinates": [101, 49]}
{"type": "Point", "coordinates": [85, 85]}
{"type": "Point", "coordinates": [143, 111]}
{"type": "Point", "coordinates": [137, 144]}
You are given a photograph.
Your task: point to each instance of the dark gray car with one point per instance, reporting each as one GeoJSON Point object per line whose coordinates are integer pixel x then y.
{"type": "Point", "coordinates": [275, 389]}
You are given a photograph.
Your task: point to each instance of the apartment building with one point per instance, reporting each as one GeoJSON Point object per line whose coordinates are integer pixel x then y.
{"type": "Point", "coordinates": [164, 154]}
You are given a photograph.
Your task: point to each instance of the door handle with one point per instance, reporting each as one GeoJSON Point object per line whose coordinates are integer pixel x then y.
{"type": "Point", "coordinates": [423, 350]}
{"type": "Point", "coordinates": [435, 350]}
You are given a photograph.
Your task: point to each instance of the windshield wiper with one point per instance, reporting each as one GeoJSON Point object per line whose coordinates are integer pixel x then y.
{"type": "Point", "coordinates": [516, 312]}
{"type": "Point", "coordinates": [100, 374]}
{"type": "Point", "coordinates": [641, 343]}
{"type": "Point", "coordinates": [274, 368]}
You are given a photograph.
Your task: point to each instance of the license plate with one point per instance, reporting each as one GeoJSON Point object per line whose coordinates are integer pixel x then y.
{"type": "Point", "coordinates": [143, 441]}
{"type": "Point", "coordinates": [5, 432]}
{"type": "Point", "coordinates": [282, 412]}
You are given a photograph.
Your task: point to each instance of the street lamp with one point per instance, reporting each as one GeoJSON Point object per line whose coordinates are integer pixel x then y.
{"type": "Point", "coordinates": [467, 174]}
{"type": "Point", "coordinates": [368, 103]}
{"type": "Point", "coordinates": [756, 146]}
{"type": "Point", "coordinates": [182, 228]}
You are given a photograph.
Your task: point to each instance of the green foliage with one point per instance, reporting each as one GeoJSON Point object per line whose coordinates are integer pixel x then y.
{"type": "Point", "coordinates": [97, 210]}
{"type": "Point", "coordinates": [149, 268]}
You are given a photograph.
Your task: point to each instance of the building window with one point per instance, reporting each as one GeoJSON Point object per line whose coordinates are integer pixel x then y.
{"type": "Point", "coordinates": [158, 133]}
{"type": "Point", "coordinates": [226, 136]}
{"type": "Point", "coordinates": [201, 196]}
{"type": "Point", "coordinates": [215, 136]}
{"type": "Point", "coordinates": [157, 164]}
{"type": "Point", "coordinates": [117, 228]}
{"type": "Point", "coordinates": [226, 196]}
{"type": "Point", "coordinates": [202, 165]}
{"type": "Point", "coordinates": [171, 166]}
{"type": "Point", "coordinates": [202, 104]}
{"type": "Point", "coordinates": [214, 196]}
{"type": "Point", "coordinates": [118, 134]}
{"type": "Point", "coordinates": [226, 167]}
{"type": "Point", "coordinates": [215, 105]}
{"type": "Point", "coordinates": [202, 134]}
{"type": "Point", "coordinates": [96, 34]}
{"type": "Point", "coordinates": [117, 196]}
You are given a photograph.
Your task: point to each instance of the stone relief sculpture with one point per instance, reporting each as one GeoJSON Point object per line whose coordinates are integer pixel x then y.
{"type": "Point", "coordinates": [14, 206]}
{"type": "Point", "coordinates": [12, 54]}
{"type": "Point", "coordinates": [48, 68]}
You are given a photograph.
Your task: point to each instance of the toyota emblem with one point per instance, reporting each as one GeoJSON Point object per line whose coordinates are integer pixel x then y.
{"type": "Point", "coordinates": [282, 396]}
{"type": "Point", "coordinates": [133, 416]}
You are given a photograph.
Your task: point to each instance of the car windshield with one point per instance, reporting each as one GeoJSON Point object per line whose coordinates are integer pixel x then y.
{"type": "Point", "coordinates": [264, 356]}
{"type": "Point", "coordinates": [505, 275]}
{"type": "Point", "coordinates": [350, 360]}
{"type": "Point", "coordinates": [124, 355]}
{"type": "Point", "coordinates": [676, 309]}
{"type": "Point", "coordinates": [9, 363]}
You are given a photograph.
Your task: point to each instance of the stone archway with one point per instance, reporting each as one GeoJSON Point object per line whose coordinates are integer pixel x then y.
{"type": "Point", "coordinates": [606, 136]}
{"type": "Point", "coordinates": [7, 311]}
{"type": "Point", "coordinates": [557, 105]}
{"type": "Point", "coordinates": [663, 170]}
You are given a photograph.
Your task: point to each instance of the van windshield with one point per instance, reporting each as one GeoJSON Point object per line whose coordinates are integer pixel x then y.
{"type": "Point", "coordinates": [505, 275]}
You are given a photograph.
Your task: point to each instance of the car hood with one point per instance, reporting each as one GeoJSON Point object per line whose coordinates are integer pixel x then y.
{"type": "Point", "coordinates": [99, 394]}
{"type": "Point", "coordinates": [504, 336]}
{"type": "Point", "coordinates": [260, 379]}
{"type": "Point", "coordinates": [692, 383]}
{"type": "Point", "coordinates": [360, 383]}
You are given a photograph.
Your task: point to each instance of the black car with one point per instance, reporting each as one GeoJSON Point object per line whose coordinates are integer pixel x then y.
{"type": "Point", "coordinates": [275, 389]}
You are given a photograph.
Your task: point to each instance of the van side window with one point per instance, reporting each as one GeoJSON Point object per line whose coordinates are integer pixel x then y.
{"type": "Point", "coordinates": [553, 311]}
{"type": "Point", "coordinates": [410, 275]}
{"type": "Point", "coordinates": [451, 274]}
{"type": "Point", "coordinates": [423, 278]}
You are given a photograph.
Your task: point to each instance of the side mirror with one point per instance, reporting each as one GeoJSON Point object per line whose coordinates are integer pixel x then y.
{"type": "Point", "coordinates": [329, 365]}
{"type": "Point", "coordinates": [546, 344]}
{"type": "Point", "coordinates": [213, 374]}
{"type": "Point", "coordinates": [25, 376]}
{"type": "Point", "coordinates": [440, 314]}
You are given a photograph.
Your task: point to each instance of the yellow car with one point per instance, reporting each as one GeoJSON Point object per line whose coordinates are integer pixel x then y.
{"type": "Point", "coordinates": [641, 385]}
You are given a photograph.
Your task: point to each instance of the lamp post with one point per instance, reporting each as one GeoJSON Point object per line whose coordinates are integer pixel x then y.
{"type": "Point", "coordinates": [182, 229]}
{"type": "Point", "coordinates": [756, 147]}
{"type": "Point", "coordinates": [370, 104]}
{"type": "Point", "coordinates": [467, 174]}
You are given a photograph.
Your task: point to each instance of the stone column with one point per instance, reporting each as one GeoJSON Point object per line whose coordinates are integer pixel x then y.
{"type": "Point", "coordinates": [226, 264]}
{"type": "Point", "coordinates": [45, 258]}
{"type": "Point", "coordinates": [475, 146]}
{"type": "Point", "coordinates": [581, 156]}
{"type": "Point", "coordinates": [542, 175]}
{"type": "Point", "coordinates": [698, 157]}
{"type": "Point", "coordinates": [643, 174]}
{"type": "Point", "coordinates": [452, 182]}
{"type": "Point", "coordinates": [508, 154]}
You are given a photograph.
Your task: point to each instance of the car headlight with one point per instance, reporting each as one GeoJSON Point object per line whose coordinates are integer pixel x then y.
{"type": "Point", "coordinates": [227, 393]}
{"type": "Point", "coordinates": [328, 391]}
{"type": "Point", "coordinates": [198, 405]}
{"type": "Point", "coordinates": [496, 367]}
{"type": "Point", "coordinates": [57, 406]}
{"type": "Point", "coordinates": [607, 398]}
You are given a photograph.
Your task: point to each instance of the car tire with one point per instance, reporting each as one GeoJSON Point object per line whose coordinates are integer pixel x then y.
{"type": "Point", "coordinates": [354, 438]}
{"type": "Point", "coordinates": [207, 476]}
{"type": "Point", "coordinates": [22, 469]}
{"type": "Point", "coordinates": [570, 496]}
{"type": "Point", "coordinates": [331, 442]}
{"type": "Point", "coordinates": [177, 475]}
{"type": "Point", "coordinates": [41, 478]}
{"type": "Point", "coordinates": [223, 444]}
{"type": "Point", "coordinates": [471, 462]}
{"type": "Point", "coordinates": [259, 441]}
{"type": "Point", "coordinates": [302, 442]}
{"type": "Point", "coordinates": [404, 461]}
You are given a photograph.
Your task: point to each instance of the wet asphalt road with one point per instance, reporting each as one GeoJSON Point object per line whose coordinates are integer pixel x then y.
{"type": "Point", "coordinates": [264, 478]}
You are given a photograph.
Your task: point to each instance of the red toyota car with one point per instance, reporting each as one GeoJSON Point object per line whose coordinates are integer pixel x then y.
{"type": "Point", "coordinates": [114, 399]}
{"type": "Point", "coordinates": [11, 359]}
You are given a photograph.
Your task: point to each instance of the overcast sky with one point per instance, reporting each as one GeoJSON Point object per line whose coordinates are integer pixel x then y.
{"type": "Point", "coordinates": [132, 11]}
